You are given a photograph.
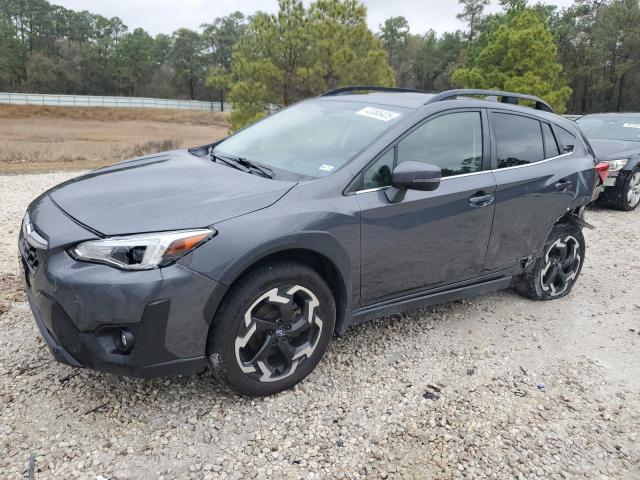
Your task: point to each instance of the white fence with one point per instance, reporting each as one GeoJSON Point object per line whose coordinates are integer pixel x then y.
{"type": "Point", "coordinates": [98, 101]}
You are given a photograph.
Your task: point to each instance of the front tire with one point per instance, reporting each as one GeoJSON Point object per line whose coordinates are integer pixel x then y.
{"type": "Point", "coordinates": [629, 196]}
{"type": "Point", "coordinates": [556, 271]}
{"type": "Point", "coordinates": [271, 329]}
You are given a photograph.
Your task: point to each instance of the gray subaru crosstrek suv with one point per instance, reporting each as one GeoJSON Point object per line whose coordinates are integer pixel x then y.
{"type": "Point", "coordinates": [249, 254]}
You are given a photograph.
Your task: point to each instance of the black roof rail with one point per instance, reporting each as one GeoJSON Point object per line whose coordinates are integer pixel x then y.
{"type": "Point", "coordinates": [505, 97]}
{"type": "Point", "coordinates": [364, 88]}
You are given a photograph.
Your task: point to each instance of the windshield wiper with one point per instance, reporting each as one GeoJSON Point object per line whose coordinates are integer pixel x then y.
{"type": "Point", "coordinates": [266, 171]}
{"type": "Point", "coordinates": [243, 164]}
{"type": "Point", "coordinates": [230, 163]}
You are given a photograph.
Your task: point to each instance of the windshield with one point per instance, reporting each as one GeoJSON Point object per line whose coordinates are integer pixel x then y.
{"type": "Point", "coordinates": [611, 128]}
{"type": "Point", "coordinates": [312, 138]}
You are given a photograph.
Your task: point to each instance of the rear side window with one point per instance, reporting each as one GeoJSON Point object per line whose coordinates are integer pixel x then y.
{"type": "Point", "coordinates": [519, 139]}
{"type": "Point", "coordinates": [566, 139]}
{"type": "Point", "coordinates": [452, 142]}
{"type": "Point", "coordinates": [550, 145]}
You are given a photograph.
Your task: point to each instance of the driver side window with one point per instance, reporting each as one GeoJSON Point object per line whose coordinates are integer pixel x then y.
{"type": "Point", "coordinates": [452, 142]}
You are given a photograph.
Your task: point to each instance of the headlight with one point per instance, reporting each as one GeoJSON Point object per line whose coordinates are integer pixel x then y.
{"type": "Point", "coordinates": [141, 252]}
{"type": "Point", "coordinates": [30, 235]}
{"type": "Point", "coordinates": [617, 165]}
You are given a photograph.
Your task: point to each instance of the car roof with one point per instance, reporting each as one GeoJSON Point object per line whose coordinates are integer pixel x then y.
{"type": "Point", "coordinates": [415, 100]}
{"type": "Point", "coordinates": [412, 100]}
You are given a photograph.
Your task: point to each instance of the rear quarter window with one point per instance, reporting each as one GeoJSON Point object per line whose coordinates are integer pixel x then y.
{"type": "Point", "coordinates": [566, 139]}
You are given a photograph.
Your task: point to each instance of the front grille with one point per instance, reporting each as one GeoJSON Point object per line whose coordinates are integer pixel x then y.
{"type": "Point", "coordinates": [30, 254]}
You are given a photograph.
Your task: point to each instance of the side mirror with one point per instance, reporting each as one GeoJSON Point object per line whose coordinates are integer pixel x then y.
{"type": "Point", "coordinates": [411, 175]}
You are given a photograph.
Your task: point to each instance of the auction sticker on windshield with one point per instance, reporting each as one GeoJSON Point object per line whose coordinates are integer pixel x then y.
{"type": "Point", "coordinates": [631, 125]}
{"type": "Point", "coordinates": [378, 113]}
{"type": "Point", "coordinates": [326, 168]}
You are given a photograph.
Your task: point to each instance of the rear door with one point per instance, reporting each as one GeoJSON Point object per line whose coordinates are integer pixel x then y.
{"type": "Point", "coordinates": [536, 184]}
{"type": "Point", "coordinates": [433, 238]}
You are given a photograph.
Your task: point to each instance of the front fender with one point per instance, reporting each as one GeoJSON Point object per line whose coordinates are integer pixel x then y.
{"type": "Point", "coordinates": [246, 240]}
{"type": "Point", "coordinates": [321, 243]}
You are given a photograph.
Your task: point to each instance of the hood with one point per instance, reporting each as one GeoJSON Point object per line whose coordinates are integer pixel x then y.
{"type": "Point", "coordinates": [614, 149]}
{"type": "Point", "coordinates": [169, 191]}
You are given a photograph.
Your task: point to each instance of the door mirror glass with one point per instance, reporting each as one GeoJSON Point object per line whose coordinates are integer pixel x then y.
{"type": "Point", "coordinates": [412, 175]}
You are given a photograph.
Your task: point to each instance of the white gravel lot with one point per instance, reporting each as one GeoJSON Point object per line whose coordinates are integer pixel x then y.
{"type": "Point", "coordinates": [362, 413]}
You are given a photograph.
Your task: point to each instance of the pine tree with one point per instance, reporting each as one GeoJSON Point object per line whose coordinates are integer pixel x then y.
{"type": "Point", "coordinates": [520, 56]}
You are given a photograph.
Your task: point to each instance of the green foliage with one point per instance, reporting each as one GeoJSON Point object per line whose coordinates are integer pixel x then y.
{"type": "Point", "coordinates": [435, 59]}
{"type": "Point", "coordinates": [187, 60]}
{"type": "Point", "coordinates": [600, 48]}
{"type": "Point", "coordinates": [520, 55]}
{"type": "Point", "coordinates": [299, 52]}
{"type": "Point", "coordinates": [400, 46]}
{"type": "Point", "coordinates": [50, 49]}
{"type": "Point", "coordinates": [268, 61]}
{"type": "Point", "coordinates": [472, 14]}
{"type": "Point", "coordinates": [135, 61]}
{"type": "Point", "coordinates": [513, 5]}
{"type": "Point", "coordinates": [219, 38]}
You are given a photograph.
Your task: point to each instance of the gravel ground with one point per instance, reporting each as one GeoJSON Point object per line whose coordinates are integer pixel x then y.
{"type": "Point", "coordinates": [445, 392]}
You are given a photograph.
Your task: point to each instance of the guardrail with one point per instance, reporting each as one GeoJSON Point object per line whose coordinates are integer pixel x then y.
{"type": "Point", "coordinates": [105, 101]}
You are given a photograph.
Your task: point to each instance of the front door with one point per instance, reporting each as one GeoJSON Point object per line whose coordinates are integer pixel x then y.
{"type": "Point", "coordinates": [429, 239]}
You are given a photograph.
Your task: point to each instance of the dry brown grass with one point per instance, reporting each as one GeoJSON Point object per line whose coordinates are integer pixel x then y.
{"type": "Point", "coordinates": [193, 117]}
{"type": "Point", "coordinates": [43, 138]}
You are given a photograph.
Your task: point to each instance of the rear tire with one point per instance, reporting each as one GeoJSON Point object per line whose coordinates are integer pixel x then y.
{"type": "Point", "coordinates": [629, 196]}
{"type": "Point", "coordinates": [556, 271]}
{"type": "Point", "coordinates": [271, 329]}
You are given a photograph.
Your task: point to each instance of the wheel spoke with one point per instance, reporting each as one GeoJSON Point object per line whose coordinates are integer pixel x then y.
{"type": "Point", "coordinates": [563, 278]}
{"type": "Point", "coordinates": [300, 326]}
{"type": "Point", "coordinates": [264, 350]}
{"type": "Point", "coordinates": [287, 350]}
{"type": "Point", "coordinates": [550, 276]}
{"type": "Point", "coordinates": [563, 251]}
{"type": "Point", "coordinates": [262, 325]}
{"type": "Point", "coordinates": [570, 259]}
{"type": "Point", "coordinates": [286, 311]}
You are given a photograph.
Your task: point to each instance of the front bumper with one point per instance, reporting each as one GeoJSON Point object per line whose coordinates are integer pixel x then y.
{"type": "Point", "coordinates": [80, 308]}
{"type": "Point", "coordinates": [614, 185]}
{"type": "Point", "coordinates": [612, 180]}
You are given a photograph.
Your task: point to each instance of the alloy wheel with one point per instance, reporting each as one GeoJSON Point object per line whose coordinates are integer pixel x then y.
{"type": "Point", "coordinates": [280, 330]}
{"type": "Point", "coordinates": [562, 263]}
{"type": "Point", "coordinates": [633, 192]}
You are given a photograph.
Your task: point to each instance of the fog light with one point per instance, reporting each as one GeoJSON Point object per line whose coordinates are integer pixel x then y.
{"type": "Point", "coordinates": [124, 340]}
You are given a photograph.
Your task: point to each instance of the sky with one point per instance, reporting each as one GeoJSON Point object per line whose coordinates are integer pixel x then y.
{"type": "Point", "coordinates": [166, 16]}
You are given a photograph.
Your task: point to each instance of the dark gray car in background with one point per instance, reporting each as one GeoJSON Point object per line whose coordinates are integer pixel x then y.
{"type": "Point", "coordinates": [615, 138]}
{"type": "Point", "coordinates": [251, 253]}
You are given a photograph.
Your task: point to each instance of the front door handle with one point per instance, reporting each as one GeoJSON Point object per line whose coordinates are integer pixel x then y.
{"type": "Point", "coordinates": [481, 199]}
{"type": "Point", "coordinates": [563, 185]}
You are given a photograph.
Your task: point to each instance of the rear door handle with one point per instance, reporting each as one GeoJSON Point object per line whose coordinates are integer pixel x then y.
{"type": "Point", "coordinates": [480, 199]}
{"type": "Point", "coordinates": [563, 185]}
